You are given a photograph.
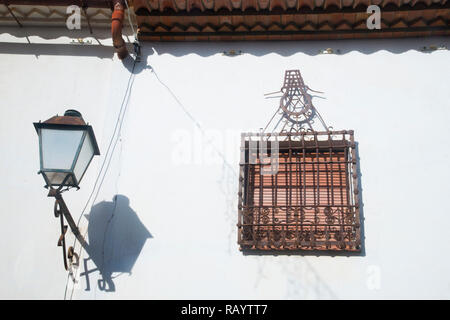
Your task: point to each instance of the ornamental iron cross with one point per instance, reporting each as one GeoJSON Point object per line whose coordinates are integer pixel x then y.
{"type": "Point", "coordinates": [296, 110]}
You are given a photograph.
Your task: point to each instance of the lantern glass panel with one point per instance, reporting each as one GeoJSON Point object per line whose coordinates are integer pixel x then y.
{"type": "Point", "coordinates": [84, 158]}
{"type": "Point", "coordinates": [59, 148]}
{"type": "Point", "coordinates": [57, 178]}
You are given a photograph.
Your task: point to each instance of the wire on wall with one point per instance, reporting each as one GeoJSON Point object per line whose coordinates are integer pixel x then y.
{"type": "Point", "coordinates": [130, 22]}
{"type": "Point", "coordinates": [136, 44]}
{"type": "Point", "coordinates": [106, 161]}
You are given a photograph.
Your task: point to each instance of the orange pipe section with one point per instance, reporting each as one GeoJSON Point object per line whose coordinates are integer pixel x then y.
{"type": "Point", "coordinates": [116, 29]}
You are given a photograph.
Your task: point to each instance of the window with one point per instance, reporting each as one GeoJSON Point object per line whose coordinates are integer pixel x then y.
{"type": "Point", "coordinates": [309, 203]}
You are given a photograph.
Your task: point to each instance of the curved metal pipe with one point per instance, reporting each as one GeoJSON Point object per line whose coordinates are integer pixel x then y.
{"type": "Point", "coordinates": [116, 29]}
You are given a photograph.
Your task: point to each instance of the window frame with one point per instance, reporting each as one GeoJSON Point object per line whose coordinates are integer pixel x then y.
{"type": "Point", "coordinates": [347, 236]}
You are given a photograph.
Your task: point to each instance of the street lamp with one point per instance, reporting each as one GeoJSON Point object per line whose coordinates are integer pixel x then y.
{"type": "Point", "coordinates": [66, 147]}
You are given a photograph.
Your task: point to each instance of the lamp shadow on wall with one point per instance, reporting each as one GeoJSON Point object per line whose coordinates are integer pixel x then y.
{"type": "Point", "coordinates": [330, 253]}
{"type": "Point", "coordinates": [116, 237]}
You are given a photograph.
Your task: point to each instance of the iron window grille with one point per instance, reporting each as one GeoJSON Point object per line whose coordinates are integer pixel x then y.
{"type": "Point", "coordinates": [309, 203]}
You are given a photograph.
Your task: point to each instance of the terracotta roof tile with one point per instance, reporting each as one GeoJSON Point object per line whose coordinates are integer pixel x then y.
{"type": "Point", "coordinates": [201, 20]}
{"type": "Point", "coordinates": [222, 4]}
{"type": "Point", "coordinates": [243, 5]}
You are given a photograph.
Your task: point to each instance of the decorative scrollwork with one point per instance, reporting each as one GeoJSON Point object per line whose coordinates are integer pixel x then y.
{"type": "Point", "coordinates": [349, 235]}
{"type": "Point", "coordinates": [276, 235]}
{"type": "Point", "coordinates": [316, 216]}
{"type": "Point", "coordinates": [302, 216]}
{"type": "Point", "coordinates": [247, 233]}
{"type": "Point", "coordinates": [248, 216]}
{"type": "Point", "coordinates": [330, 218]}
{"type": "Point", "coordinates": [349, 217]}
{"type": "Point", "coordinates": [290, 234]}
{"type": "Point", "coordinates": [260, 234]}
{"type": "Point", "coordinates": [265, 216]}
{"type": "Point", "coordinates": [291, 215]}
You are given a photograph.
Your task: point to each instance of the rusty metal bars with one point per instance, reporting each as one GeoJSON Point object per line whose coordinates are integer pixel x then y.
{"type": "Point", "coordinates": [310, 203]}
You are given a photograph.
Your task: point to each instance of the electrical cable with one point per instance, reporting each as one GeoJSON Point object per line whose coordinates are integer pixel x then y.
{"type": "Point", "coordinates": [129, 21]}
{"type": "Point", "coordinates": [136, 44]}
{"type": "Point", "coordinates": [228, 171]}
{"type": "Point", "coordinates": [120, 118]}
{"type": "Point", "coordinates": [117, 129]}
{"type": "Point", "coordinates": [197, 124]}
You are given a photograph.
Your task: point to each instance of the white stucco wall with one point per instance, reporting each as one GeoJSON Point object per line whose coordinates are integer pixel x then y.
{"type": "Point", "coordinates": [177, 234]}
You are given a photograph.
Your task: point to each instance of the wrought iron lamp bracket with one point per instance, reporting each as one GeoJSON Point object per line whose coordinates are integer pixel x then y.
{"type": "Point", "coordinates": [61, 211]}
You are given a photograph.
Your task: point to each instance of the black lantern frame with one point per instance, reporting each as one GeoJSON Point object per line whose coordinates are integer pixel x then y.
{"type": "Point", "coordinates": [70, 179]}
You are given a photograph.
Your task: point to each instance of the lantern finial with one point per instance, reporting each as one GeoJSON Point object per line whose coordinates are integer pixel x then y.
{"type": "Point", "coordinates": [72, 113]}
